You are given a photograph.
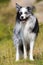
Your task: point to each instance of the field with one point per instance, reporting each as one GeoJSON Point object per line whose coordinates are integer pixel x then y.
{"type": "Point", "coordinates": [7, 49]}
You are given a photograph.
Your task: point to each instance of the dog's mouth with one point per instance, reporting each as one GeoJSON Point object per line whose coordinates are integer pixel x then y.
{"type": "Point", "coordinates": [24, 20]}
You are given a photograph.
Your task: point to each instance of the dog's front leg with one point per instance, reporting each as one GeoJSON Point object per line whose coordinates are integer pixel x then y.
{"type": "Point", "coordinates": [25, 51]}
{"type": "Point", "coordinates": [31, 50]}
{"type": "Point", "coordinates": [17, 53]}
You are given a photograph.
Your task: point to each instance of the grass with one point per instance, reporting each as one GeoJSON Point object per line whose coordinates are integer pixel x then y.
{"type": "Point", "coordinates": [38, 0]}
{"type": "Point", "coordinates": [7, 49]}
{"type": "Point", "coordinates": [4, 1]}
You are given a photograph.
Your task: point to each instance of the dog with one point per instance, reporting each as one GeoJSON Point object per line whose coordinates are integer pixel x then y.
{"type": "Point", "coordinates": [25, 31]}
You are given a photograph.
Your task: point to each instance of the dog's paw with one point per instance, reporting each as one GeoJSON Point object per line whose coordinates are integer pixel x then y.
{"type": "Point", "coordinates": [17, 59]}
{"type": "Point", "coordinates": [31, 59]}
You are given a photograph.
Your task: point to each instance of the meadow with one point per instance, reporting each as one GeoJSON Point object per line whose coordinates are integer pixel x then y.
{"type": "Point", "coordinates": [7, 49]}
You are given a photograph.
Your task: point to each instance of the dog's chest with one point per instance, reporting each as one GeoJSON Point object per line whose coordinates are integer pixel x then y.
{"type": "Point", "coordinates": [24, 28]}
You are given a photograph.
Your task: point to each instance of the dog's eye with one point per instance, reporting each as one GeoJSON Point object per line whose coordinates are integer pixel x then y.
{"type": "Point", "coordinates": [20, 13]}
{"type": "Point", "coordinates": [26, 12]}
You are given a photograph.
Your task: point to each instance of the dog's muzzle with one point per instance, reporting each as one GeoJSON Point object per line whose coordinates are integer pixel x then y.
{"type": "Point", "coordinates": [24, 19]}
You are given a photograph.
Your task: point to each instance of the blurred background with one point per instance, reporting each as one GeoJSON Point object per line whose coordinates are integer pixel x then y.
{"type": "Point", "coordinates": [7, 22]}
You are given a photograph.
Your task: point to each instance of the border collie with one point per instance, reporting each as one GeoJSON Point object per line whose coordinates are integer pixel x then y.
{"type": "Point", "coordinates": [25, 31]}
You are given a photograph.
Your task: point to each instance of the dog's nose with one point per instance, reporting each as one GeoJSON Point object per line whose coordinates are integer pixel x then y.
{"type": "Point", "coordinates": [21, 17]}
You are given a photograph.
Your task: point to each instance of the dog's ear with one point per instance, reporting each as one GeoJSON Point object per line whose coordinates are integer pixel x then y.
{"type": "Point", "coordinates": [18, 7]}
{"type": "Point", "coordinates": [29, 8]}
{"type": "Point", "coordinates": [32, 8]}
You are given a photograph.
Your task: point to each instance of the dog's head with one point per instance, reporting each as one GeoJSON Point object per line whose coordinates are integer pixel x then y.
{"type": "Point", "coordinates": [23, 13]}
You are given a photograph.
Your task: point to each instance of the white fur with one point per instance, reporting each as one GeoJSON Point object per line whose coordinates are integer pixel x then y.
{"type": "Point", "coordinates": [23, 10]}
{"type": "Point", "coordinates": [28, 36]}
{"type": "Point", "coordinates": [17, 53]}
{"type": "Point", "coordinates": [31, 50]}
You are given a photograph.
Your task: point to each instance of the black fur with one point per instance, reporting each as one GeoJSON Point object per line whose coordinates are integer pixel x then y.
{"type": "Point", "coordinates": [36, 28]}
{"type": "Point", "coordinates": [18, 18]}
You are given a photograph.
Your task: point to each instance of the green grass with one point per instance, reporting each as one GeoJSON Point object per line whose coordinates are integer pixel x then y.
{"type": "Point", "coordinates": [4, 1]}
{"type": "Point", "coordinates": [38, 0]}
{"type": "Point", "coordinates": [7, 49]}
